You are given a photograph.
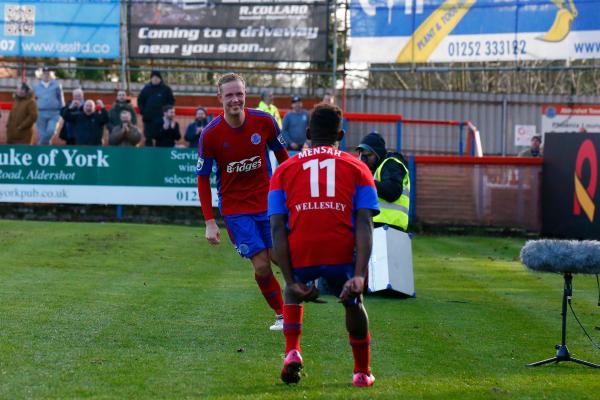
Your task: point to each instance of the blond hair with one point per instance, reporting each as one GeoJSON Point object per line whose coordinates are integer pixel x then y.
{"type": "Point", "coordinates": [229, 77]}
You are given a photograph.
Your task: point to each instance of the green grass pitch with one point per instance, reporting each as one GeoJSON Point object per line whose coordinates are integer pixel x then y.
{"type": "Point", "coordinates": [103, 311]}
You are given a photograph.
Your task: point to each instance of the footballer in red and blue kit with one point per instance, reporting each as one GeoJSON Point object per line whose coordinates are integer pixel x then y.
{"type": "Point", "coordinates": [322, 186]}
{"type": "Point", "coordinates": [243, 170]}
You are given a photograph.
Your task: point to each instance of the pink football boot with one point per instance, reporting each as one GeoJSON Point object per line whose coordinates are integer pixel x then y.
{"type": "Point", "coordinates": [360, 379]}
{"type": "Point", "coordinates": [292, 365]}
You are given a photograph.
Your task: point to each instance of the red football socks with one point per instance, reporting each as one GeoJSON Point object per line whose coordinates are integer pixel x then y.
{"type": "Point", "coordinates": [271, 290]}
{"type": "Point", "coordinates": [361, 349]}
{"type": "Point", "coordinates": [292, 326]}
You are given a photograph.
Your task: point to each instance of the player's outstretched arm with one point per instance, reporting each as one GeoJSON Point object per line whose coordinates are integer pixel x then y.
{"type": "Point", "coordinates": [364, 243]}
{"type": "Point", "coordinates": [204, 192]}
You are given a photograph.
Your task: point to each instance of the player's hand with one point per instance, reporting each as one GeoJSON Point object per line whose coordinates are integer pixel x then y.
{"type": "Point", "coordinates": [212, 232]}
{"type": "Point", "coordinates": [352, 288]}
{"type": "Point", "coordinates": [304, 293]}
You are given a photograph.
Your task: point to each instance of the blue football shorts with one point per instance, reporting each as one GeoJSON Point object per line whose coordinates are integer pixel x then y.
{"type": "Point", "coordinates": [335, 276]}
{"type": "Point", "coordinates": [249, 233]}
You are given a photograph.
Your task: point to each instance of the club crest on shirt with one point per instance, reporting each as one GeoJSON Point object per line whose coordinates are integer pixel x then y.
{"type": "Point", "coordinates": [255, 138]}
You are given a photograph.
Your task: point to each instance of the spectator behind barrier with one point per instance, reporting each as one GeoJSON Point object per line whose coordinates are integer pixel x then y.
{"type": "Point", "coordinates": [167, 128]}
{"type": "Point", "coordinates": [126, 133]}
{"type": "Point", "coordinates": [114, 115]}
{"type": "Point", "coordinates": [154, 96]}
{"type": "Point", "coordinates": [392, 180]}
{"type": "Point", "coordinates": [294, 127]}
{"type": "Point", "coordinates": [266, 105]}
{"type": "Point", "coordinates": [50, 100]}
{"type": "Point", "coordinates": [192, 133]}
{"type": "Point", "coordinates": [64, 132]}
{"type": "Point", "coordinates": [329, 98]}
{"type": "Point", "coordinates": [535, 150]}
{"type": "Point", "coordinates": [88, 123]}
{"type": "Point", "coordinates": [22, 116]}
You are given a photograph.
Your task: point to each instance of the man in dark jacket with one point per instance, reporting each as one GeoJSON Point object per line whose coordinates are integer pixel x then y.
{"type": "Point", "coordinates": [67, 129]}
{"type": "Point", "coordinates": [167, 129]}
{"type": "Point", "coordinates": [392, 180]}
{"type": "Point", "coordinates": [114, 115]}
{"type": "Point", "coordinates": [192, 133]}
{"type": "Point", "coordinates": [88, 122]}
{"type": "Point", "coordinates": [153, 97]}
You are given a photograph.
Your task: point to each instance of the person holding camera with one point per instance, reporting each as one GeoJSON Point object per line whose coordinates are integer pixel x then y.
{"type": "Point", "coordinates": [88, 123]}
{"type": "Point", "coordinates": [126, 133]}
{"type": "Point", "coordinates": [64, 132]}
{"type": "Point", "coordinates": [167, 130]}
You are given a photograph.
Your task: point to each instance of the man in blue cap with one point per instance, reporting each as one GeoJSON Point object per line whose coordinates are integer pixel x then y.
{"type": "Point", "coordinates": [391, 179]}
{"type": "Point", "coordinates": [294, 127]}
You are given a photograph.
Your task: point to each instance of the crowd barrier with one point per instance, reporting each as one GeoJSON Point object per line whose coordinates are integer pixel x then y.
{"type": "Point", "coordinates": [99, 175]}
{"type": "Point", "coordinates": [409, 136]}
{"type": "Point", "coordinates": [450, 190]}
{"type": "Point", "coordinates": [459, 189]}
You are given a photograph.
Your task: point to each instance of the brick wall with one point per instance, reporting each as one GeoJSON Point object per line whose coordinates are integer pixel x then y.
{"type": "Point", "coordinates": [479, 195]}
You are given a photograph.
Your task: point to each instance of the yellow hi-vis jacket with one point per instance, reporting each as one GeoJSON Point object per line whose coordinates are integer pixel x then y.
{"type": "Point", "coordinates": [395, 213]}
{"type": "Point", "coordinates": [271, 109]}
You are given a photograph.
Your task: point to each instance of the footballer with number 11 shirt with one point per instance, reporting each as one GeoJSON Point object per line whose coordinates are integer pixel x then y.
{"type": "Point", "coordinates": [321, 204]}
{"type": "Point", "coordinates": [238, 142]}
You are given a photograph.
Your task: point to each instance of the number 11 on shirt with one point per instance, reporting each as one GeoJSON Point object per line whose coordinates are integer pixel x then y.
{"type": "Point", "coordinates": [314, 166]}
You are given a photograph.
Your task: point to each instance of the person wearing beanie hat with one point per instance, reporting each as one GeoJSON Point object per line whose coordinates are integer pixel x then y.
{"type": "Point", "coordinates": [372, 148]}
{"type": "Point", "coordinates": [154, 96]}
{"type": "Point", "coordinates": [156, 74]}
{"type": "Point", "coordinates": [392, 180]}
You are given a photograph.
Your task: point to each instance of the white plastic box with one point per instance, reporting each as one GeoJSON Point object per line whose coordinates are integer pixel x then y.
{"type": "Point", "coordinates": [390, 265]}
